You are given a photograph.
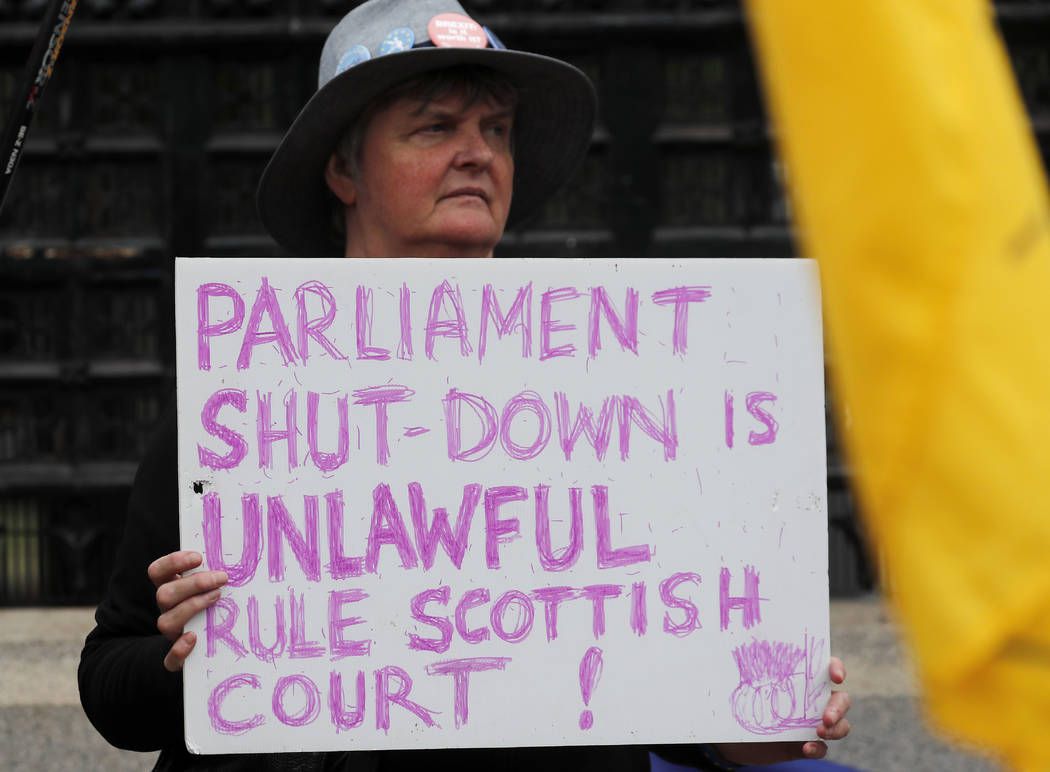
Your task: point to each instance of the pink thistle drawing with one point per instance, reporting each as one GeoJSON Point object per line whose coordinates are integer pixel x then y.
{"type": "Point", "coordinates": [767, 699]}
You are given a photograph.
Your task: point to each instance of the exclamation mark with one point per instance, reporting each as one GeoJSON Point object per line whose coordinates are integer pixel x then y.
{"type": "Point", "coordinates": [590, 673]}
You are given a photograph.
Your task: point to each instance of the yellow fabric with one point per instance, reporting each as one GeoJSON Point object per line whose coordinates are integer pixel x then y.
{"type": "Point", "coordinates": [916, 184]}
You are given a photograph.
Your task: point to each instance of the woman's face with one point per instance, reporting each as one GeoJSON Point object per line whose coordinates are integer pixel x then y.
{"type": "Point", "coordinates": [433, 180]}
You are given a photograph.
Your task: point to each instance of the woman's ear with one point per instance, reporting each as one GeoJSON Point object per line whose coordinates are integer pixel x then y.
{"type": "Point", "coordinates": [339, 180]}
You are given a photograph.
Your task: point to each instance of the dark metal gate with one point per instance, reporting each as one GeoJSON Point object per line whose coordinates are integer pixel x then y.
{"type": "Point", "coordinates": [149, 144]}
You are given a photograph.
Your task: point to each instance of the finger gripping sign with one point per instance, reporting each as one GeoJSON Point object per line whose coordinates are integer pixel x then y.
{"type": "Point", "coordinates": [503, 502]}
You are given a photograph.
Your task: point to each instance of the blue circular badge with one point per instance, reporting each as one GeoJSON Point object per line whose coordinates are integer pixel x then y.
{"type": "Point", "coordinates": [355, 55]}
{"type": "Point", "coordinates": [399, 40]}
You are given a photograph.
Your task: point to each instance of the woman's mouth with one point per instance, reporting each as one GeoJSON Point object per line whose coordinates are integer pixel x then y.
{"type": "Point", "coordinates": [478, 193]}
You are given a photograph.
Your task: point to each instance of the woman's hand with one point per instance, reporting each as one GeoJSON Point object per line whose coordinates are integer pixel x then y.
{"type": "Point", "coordinates": [180, 597]}
{"type": "Point", "coordinates": [833, 726]}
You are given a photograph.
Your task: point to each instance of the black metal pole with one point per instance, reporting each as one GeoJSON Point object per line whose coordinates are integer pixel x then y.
{"type": "Point", "coordinates": [38, 72]}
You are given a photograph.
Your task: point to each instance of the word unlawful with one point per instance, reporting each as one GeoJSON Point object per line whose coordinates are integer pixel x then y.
{"type": "Point", "coordinates": [388, 529]}
{"type": "Point", "coordinates": [315, 312]}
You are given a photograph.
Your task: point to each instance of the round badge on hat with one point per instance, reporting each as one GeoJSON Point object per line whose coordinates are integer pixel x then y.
{"type": "Point", "coordinates": [454, 30]}
{"type": "Point", "coordinates": [353, 56]}
{"type": "Point", "coordinates": [401, 39]}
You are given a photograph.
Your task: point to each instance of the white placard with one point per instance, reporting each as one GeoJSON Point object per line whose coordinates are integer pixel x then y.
{"type": "Point", "coordinates": [503, 503]}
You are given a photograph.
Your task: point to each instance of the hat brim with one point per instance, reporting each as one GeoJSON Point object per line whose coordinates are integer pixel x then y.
{"type": "Point", "coordinates": [552, 130]}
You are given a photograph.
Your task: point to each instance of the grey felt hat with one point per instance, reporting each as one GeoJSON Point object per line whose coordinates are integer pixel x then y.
{"type": "Point", "coordinates": [384, 42]}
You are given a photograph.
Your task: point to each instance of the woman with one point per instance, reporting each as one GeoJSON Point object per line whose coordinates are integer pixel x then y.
{"type": "Point", "coordinates": [425, 138]}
